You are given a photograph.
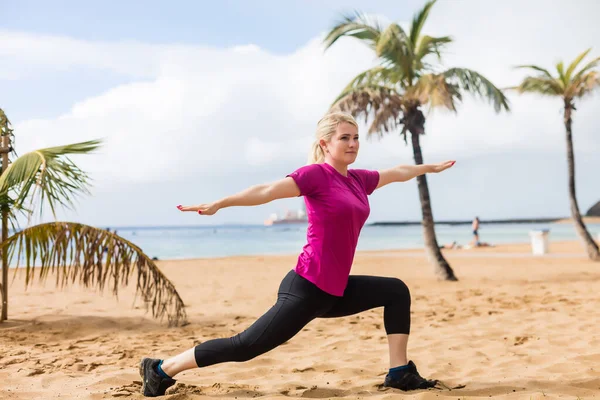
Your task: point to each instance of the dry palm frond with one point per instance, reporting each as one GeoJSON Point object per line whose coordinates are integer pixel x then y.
{"type": "Point", "coordinates": [583, 85]}
{"type": "Point", "coordinates": [435, 90]}
{"type": "Point", "coordinates": [382, 103]}
{"type": "Point", "coordinates": [94, 257]}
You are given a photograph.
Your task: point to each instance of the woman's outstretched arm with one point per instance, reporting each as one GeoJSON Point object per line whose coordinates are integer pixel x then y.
{"type": "Point", "coordinates": [252, 196]}
{"type": "Point", "coordinates": [403, 173]}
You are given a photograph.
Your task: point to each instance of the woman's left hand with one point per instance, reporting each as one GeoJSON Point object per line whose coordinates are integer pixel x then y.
{"type": "Point", "coordinates": [442, 166]}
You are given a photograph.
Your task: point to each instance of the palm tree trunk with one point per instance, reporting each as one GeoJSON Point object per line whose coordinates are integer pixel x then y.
{"type": "Point", "coordinates": [4, 285]}
{"type": "Point", "coordinates": [590, 246]}
{"type": "Point", "coordinates": [432, 249]}
{"type": "Point", "coordinates": [5, 149]}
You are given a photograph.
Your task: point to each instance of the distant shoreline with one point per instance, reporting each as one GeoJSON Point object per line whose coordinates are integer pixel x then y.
{"type": "Point", "coordinates": [587, 220]}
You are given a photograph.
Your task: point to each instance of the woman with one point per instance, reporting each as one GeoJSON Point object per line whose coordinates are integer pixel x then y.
{"type": "Point", "coordinates": [319, 286]}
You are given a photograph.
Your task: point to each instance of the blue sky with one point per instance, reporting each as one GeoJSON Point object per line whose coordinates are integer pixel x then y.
{"type": "Point", "coordinates": [278, 27]}
{"type": "Point", "coordinates": [197, 100]}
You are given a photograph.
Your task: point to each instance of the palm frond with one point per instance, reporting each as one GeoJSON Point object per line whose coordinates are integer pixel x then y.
{"type": "Point", "coordinates": [385, 119]}
{"type": "Point", "coordinates": [355, 25]}
{"type": "Point", "coordinates": [544, 83]}
{"type": "Point", "coordinates": [418, 22]}
{"type": "Point", "coordinates": [574, 65]}
{"type": "Point", "coordinates": [583, 85]}
{"type": "Point", "coordinates": [545, 72]}
{"type": "Point", "coordinates": [435, 90]}
{"type": "Point", "coordinates": [5, 125]}
{"type": "Point", "coordinates": [560, 68]}
{"type": "Point", "coordinates": [374, 77]}
{"type": "Point", "coordinates": [539, 85]}
{"type": "Point", "coordinates": [14, 210]}
{"type": "Point", "coordinates": [394, 48]}
{"type": "Point", "coordinates": [476, 84]}
{"type": "Point", "coordinates": [592, 64]}
{"type": "Point", "coordinates": [430, 45]}
{"type": "Point", "coordinates": [56, 177]}
{"type": "Point", "coordinates": [94, 257]}
{"type": "Point", "coordinates": [382, 103]}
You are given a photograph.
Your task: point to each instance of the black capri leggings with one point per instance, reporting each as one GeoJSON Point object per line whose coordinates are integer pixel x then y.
{"type": "Point", "coordinates": [299, 301]}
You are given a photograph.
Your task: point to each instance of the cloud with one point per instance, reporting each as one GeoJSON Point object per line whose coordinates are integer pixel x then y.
{"type": "Point", "coordinates": [195, 111]}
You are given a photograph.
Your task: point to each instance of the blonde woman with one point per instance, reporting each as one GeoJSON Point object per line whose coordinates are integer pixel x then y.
{"type": "Point", "coordinates": [320, 285]}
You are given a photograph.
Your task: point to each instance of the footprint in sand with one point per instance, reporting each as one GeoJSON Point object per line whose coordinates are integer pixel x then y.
{"type": "Point", "coordinates": [94, 339]}
{"type": "Point", "coordinates": [303, 369]}
{"type": "Point", "coordinates": [183, 390]}
{"type": "Point", "coordinates": [37, 371]}
{"type": "Point", "coordinates": [69, 362]}
{"type": "Point", "coordinates": [127, 390]}
{"type": "Point", "coordinates": [13, 361]}
{"type": "Point", "coordinates": [519, 340]}
{"type": "Point", "coordinates": [93, 366]}
{"type": "Point", "coordinates": [317, 393]}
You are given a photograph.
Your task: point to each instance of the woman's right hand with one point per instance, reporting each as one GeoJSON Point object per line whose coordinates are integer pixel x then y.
{"type": "Point", "coordinates": [203, 209]}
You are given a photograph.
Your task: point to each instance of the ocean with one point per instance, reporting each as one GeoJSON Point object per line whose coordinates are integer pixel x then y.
{"type": "Point", "coordinates": [235, 240]}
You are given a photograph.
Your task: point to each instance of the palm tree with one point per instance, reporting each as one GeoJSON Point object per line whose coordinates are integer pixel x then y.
{"type": "Point", "coordinates": [404, 82]}
{"type": "Point", "coordinates": [72, 251]}
{"type": "Point", "coordinates": [568, 85]}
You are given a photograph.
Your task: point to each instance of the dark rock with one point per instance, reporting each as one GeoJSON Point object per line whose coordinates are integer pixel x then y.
{"type": "Point", "coordinates": [594, 211]}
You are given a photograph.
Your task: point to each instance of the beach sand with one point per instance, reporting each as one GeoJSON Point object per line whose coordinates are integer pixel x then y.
{"type": "Point", "coordinates": [586, 220]}
{"type": "Point", "coordinates": [515, 326]}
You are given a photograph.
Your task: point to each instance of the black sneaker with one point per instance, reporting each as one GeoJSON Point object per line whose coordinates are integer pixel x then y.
{"type": "Point", "coordinates": [153, 384]}
{"type": "Point", "coordinates": [411, 380]}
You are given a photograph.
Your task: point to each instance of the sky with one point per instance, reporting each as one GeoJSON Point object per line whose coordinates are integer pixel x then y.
{"type": "Point", "coordinates": [197, 100]}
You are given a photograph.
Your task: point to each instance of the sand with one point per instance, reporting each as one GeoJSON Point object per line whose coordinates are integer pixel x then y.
{"type": "Point", "coordinates": [515, 326]}
{"type": "Point", "coordinates": [586, 220]}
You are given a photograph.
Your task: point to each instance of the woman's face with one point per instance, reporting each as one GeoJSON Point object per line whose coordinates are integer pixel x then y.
{"type": "Point", "coordinates": [343, 146]}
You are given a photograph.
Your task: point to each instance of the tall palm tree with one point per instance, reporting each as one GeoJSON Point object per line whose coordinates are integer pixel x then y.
{"type": "Point", "coordinates": [394, 93]}
{"type": "Point", "coordinates": [568, 85]}
{"type": "Point", "coordinates": [72, 251]}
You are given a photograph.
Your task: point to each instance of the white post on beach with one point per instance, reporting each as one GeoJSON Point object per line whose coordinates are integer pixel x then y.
{"type": "Point", "coordinates": [539, 241]}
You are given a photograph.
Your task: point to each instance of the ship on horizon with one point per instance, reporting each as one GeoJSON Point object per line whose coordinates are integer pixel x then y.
{"type": "Point", "coordinates": [288, 217]}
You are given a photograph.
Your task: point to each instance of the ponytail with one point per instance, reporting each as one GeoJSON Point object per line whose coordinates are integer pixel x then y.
{"type": "Point", "coordinates": [316, 155]}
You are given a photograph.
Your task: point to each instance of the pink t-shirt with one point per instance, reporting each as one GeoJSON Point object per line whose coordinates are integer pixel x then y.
{"type": "Point", "coordinates": [337, 207]}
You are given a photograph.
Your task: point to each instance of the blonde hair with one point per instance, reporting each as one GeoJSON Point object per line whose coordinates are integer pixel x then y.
{"type": "Point", "coordinates": [326, 128]}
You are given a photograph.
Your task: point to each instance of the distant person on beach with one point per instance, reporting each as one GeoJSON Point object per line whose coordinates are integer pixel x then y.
{"type": "Point", "coordinates": [475, 227]}
{"type": "Point", "coordinates": [453, 245]}
{"type": "Point", "coordinates": [320, 285]}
